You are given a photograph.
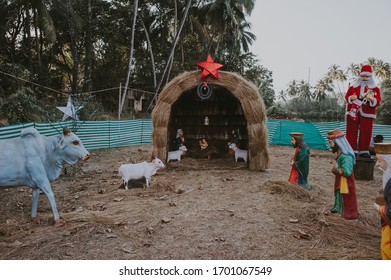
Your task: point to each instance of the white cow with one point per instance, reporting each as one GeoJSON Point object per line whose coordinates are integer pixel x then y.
{"type": "Point", "coordinates": [35, 160]}
{"type": "Point", "coordinates": [176, 155]}
{"type": "Point", "coordinates": [134, 171]}
{"type": "Point", "coordinates": [238, 152]}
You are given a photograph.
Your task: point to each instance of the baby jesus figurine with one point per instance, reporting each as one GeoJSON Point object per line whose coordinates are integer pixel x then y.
{"type": "Point", "coordinates": [203, 144]}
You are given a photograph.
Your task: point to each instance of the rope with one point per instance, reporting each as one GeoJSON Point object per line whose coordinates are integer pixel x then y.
{"type": "Point", "coordinates": [18, 78]}
{"type": "Point", "coordinates": [56, 91]}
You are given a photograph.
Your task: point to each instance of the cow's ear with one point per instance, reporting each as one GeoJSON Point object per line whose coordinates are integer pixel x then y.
{"type": "Point", "coordinates": [62, 143]}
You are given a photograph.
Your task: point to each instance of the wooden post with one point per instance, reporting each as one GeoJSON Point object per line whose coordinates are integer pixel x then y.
{"type": "Point", "coordinates": [364, 168]}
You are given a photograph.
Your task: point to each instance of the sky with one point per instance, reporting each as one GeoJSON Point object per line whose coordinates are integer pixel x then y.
{"type": "Point", "coordinates": [301, 39]}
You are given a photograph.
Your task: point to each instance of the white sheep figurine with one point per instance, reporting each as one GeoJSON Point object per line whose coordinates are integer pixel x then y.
{"type": "Point", "coordinates": [176, 155]}
{"type": "Point", "coordinates": [238, 152]}
{"type": "Point", "coordinates": [134, 171]}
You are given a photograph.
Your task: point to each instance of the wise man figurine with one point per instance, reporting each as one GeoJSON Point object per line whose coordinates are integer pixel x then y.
{"type": "Point", "coordinates": [345, 201]}
{"type": "Point", "coordinates": [300, 161]}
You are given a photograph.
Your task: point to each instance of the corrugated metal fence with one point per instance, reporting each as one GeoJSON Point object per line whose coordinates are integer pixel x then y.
{"type": "Point", "coordinates": [93, 134]}
{"type": "Point", "coordinates": [113, 134]}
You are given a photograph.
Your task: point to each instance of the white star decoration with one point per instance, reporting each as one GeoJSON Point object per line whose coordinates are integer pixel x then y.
{"type": "Point", "coordinates": [70, 111]}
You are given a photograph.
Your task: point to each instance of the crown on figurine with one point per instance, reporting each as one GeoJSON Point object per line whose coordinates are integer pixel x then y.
{"type": "Point", "coordinates": [296, 135]}
{"type": "Point", "coordinates": [335, 133]}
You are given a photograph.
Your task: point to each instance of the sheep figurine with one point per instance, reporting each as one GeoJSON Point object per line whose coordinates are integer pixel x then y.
{"type": "Point", "coordinates": [238, 152]}
{"type": "Point", "coordinates": [134, 171]}
{"type": "Point", "coordinates": [176, 155]}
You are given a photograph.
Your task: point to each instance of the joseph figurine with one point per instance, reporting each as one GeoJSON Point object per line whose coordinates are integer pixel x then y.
{"type": "Point", "coordinates": [300, 161]}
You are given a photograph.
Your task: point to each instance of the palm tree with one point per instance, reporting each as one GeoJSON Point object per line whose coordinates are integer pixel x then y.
{"type": "Point", "coordinates": [337, 75]}
{"type": "Point", "coordinates": [382, 70]}
{"type": "Point", "coordinates": [354, 69]}
{"type": "Point", "coordinates": [292, 89]}
{"type": "Point", "coordinates": [244, 37]}
{"type": "Point", "coordinates": [371, 61]}
{"type": "Point", "coordinates": [304, 90]}
{"type": "Point", "coordinates": [322, 87]}
{"type": "Point", "coordinates": [225, 24]}
{"type": "Point", "coordinates": [281, 95]}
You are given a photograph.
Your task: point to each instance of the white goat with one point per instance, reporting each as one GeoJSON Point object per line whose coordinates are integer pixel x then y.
{"type": "Point", "coordinates": [238, 152]}
{"type": "Point", "coordinates": [176, 155]}
{"type": "Point", "coordinates": [134, 171]}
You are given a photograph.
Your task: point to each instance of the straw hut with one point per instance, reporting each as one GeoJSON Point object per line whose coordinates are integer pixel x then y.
{"type": "Point", "coordinates": [235, 103]}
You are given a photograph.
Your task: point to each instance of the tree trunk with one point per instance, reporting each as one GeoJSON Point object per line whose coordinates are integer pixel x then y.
{"type": "Point", "coordinates": [75, 67]}
{"type": "Point", "coordinates": [150, 53]}
{"type": "Point", "coordinates": [37, 44]}
{"type": "Point", "coordinates": [28, 32]}
{"type": "Point", "coordinates": [87, 86]}
{"type": "Point", "coordinates": [172, 51]}
{"type": "Point", "coordinates": [130, 58]}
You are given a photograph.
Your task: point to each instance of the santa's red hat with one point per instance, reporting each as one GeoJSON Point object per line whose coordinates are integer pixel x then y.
{"type": "Point", "coordinates": [366, 70]}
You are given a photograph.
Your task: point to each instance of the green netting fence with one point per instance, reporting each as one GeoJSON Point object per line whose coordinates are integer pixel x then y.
{"type": "Point", "coordinates": [114, 134]}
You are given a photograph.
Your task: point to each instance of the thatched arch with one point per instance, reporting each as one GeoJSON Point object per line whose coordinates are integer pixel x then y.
{"type": "Point", "coordinates": [244, 91]}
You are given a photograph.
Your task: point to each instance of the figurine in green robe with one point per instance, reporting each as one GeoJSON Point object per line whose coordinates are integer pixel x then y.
{"type": "Point", "coordinates": [345, 201]}
{"type": "Point", "coordinates": [300, 161]}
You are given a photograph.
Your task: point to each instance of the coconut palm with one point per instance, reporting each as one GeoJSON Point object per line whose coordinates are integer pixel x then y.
{"type": "Point", "coordinates": [304, 90]}
{"type": "Point", "coordinates": [371, 61]}
{"type": "Point", "coordinates": [354, 69]}
{"type": "Point", "coordinates": [322, 88]}
{"type": "Point", "coordinates": [337, 76]}
{"type": "Point", "coordinates": [282, 95]}
{"type": "Point", "coordinates": [382, 70]}
{"type": "Point", "coordinates": [225, 24]}
{"type": "Point", "coordinates": [293, 89]}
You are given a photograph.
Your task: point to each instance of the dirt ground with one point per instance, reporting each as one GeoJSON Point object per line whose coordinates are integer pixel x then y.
{"type": "Point", "coordinates": [195, 209]}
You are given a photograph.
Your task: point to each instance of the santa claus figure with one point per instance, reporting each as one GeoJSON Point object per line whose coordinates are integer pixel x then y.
{"type": "Point", "coordinates": [362, 97]}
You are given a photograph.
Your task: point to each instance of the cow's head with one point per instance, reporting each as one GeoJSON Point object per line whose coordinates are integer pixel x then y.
{"type": "Point", "coordinates": [72, 149]}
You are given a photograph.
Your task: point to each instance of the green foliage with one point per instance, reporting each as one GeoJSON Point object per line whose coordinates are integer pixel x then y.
{"type": "Point", "coordinates": [309, 110]}
{"type": "Point", "coordinates": [16, 78]}
{"type": "Point", "coordinates": [20, 107]}
{"type": "Point", "coordinates": [384, 110]}
{"type": "Point", "coordinates": [260, 76]}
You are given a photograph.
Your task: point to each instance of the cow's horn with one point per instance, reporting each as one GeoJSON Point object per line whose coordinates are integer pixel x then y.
{"type": "Point", "coordinates": [66, 131]}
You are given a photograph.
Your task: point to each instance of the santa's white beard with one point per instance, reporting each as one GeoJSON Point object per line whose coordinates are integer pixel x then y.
{"type": "Point", "coordinates": [363, 84]}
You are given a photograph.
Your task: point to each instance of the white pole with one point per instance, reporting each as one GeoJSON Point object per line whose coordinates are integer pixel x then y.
{"type": "Point", "coordinates": [119, 102]}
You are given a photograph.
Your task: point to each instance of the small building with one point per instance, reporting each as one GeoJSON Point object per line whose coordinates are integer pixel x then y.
{"type": "Point", "coordinates": [233, 103]}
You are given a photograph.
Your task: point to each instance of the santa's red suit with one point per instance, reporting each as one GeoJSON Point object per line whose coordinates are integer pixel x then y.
{"type": "Point", "coordinates": [361, 112]}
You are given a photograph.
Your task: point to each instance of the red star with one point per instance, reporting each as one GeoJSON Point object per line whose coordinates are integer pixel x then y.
{"type": "Point", "coordinates": [209, 67]}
